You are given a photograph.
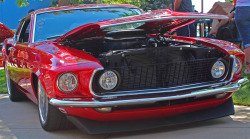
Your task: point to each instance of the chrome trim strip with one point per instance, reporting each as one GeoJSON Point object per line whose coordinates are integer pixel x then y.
{"type": "Point", "coordinates": [160, 90]}
{"type": "Point", "coordinates": [125, 38]}
{"type": "Point", "coordinates": [200, 93]}
{"type": "Point", "coordinates": [34, 29]}
{"type": "Point", "coordinates": [18, 35]}
{"type": "Point", "coordinates": [163, 18]}
{"type": "Point", "coordinates": [231, 63]}
{"type": "Point", "coordinates": [149, 91]}
{"type": "Point", "coordinates": [232, 70]}
{"type": "Point", "coordinates": [91, 81]}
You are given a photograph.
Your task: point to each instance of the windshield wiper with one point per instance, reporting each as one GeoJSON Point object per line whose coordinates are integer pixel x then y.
{"type": "Point", "coordinates": [54, 37]}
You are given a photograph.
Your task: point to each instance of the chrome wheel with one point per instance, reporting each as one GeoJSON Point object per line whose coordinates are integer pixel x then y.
{"type": "Point", "coordinates": [50, 117]}
{"type": "Point", "coordinates": [42, 103]}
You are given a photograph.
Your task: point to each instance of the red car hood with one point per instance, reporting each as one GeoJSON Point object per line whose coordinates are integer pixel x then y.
{"type": "Point", "coordinates": [5, 32]}
{"type": "Point", "coordinates": [159, 21]}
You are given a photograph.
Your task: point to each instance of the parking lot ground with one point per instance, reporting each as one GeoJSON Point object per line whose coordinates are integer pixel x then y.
{"type": "Point", "coordinates": [20, 120]}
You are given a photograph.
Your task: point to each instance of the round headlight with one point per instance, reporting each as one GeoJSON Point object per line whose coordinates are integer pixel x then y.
{"type": "Point", "coordinates": [67, 82]}
{"type": "Point", "coordinates": [238, 65]}
{"type": "Point", "coordinates": [218, 69]}
{"type": "Point", "coordinates": [108, 80]}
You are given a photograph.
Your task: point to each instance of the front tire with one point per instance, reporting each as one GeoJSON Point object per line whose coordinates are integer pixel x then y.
{"type": "Point", "coordinates": [14, 93]}
{"type": "Point", "coordinates": [50, 117]}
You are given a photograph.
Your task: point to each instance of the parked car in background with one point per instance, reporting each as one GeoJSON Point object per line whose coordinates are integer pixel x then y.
{"type": "Point", "coordinates": [4, 33]}
{"type": "Point", "coordinates": [1, 56]}
{"type": "Point", "coordinates": [114, 68]}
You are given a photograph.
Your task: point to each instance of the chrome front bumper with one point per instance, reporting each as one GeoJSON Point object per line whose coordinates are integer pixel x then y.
{"type": "Point", "coordinates": [96, 103]}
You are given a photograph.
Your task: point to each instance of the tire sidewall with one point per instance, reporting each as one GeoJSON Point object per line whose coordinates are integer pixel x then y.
{"type": "Point", "coordinates": [43, 123]}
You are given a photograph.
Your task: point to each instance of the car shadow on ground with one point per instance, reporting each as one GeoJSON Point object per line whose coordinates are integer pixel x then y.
{"type": "Point", "coordinates": [171, 128]}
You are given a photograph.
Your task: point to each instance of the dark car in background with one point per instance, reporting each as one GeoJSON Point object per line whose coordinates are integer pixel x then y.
{"type": "Point", "coordinates": [5, 32]}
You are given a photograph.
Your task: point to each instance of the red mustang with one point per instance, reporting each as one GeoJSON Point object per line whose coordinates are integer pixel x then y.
{"type": "Point", "coordinates": [112, 68]}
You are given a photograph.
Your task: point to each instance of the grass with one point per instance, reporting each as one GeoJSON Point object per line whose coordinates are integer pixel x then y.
{"type": "Point", "coordinates": [3, 88]}
{"type": "Point", "coordinates": [241, 97]}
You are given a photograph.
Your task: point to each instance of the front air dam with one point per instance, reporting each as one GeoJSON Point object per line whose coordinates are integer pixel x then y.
{"type": "Point", "coordinates": [100, 127]}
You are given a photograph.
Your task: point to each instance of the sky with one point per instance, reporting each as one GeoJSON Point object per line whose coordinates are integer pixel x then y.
{"type": "Point", "coordinates": [208, 4]}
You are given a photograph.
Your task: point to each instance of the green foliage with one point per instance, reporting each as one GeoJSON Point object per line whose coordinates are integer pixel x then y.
{"type": "Point", "coordinates": [21, 3]}
{"type": "Point", "coordinates": [14, 71]}
{"type": "Point", "coordinates": [143, 4]}
{"type": "Point", "coordinates": [137, 3]}
{"type": "Point", "coordinates": [242, 96]}
{"type": "Point", "coordinates": [3, 88]}
{"type": "Point", "coordinates": [53, 4]}
{"type": "Point", "coordinates": [75, 2]}
{"type": "Point", "coordinates": [155, 4]}
{"type": "Point", "coordinates": [229, 1]}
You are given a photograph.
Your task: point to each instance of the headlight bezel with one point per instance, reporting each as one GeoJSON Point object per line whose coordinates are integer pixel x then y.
{"type": "Point", "coordinates": [100, 88]}
{"type": "Point", "coordinates": [241, 65]}
{"type": "Point", "coordinates": [225, 63]}
{"type": "Point", "coordinates": [60, 76]}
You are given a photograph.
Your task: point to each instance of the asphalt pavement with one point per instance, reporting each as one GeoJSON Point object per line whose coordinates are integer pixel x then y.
{"type": "Point", "coordinates": [19, 120]}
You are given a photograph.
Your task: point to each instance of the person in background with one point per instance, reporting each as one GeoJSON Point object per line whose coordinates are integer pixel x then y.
{"type": "Point", "coordinates": [215, 29]}
{"type": "Point", "coordinates": [242, 21]}
{"type": "Point", "coordinates": [184, 6]}
{"type": "Point", "coordinates": [222, 8]}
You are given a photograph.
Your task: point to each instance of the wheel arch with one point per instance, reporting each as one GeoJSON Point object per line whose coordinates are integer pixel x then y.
{"type": "Point", "coordinates": [34, 83]}
{"type": "Point", "coordinates": [35, 77]}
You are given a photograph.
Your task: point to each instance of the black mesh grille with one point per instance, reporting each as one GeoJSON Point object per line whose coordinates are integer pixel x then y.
{"type": "Point", "coordinates": [164, 75]}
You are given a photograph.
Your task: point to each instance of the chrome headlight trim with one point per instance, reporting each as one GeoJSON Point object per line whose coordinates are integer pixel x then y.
{"type": "Point", "coordinates": [108, 80]}
{"type": "Point", "coordinates": [64, 74]}
{"type": "Point", "coordinates": [238, 63]}
{"type": "Point", "coordinates": [218, 69]}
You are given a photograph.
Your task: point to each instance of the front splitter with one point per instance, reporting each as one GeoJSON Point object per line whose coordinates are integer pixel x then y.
{"type": "Point", "coordinates": [103, 127]}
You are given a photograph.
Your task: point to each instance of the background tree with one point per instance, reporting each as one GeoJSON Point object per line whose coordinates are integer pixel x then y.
{"type": "Point", "coordinates": [21, 3]}
{"type": "Point", "coordinates": [63, 2]}
{"type": "Point", "coordinates": [155, 4]}
{"type": "Point", "coordinates": [229, 1]}
{"type": "Point", "coordinates": [144, 4]}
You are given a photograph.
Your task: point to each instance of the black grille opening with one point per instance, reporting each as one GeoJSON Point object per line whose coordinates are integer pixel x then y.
{"type": "Point", "coordinates": [162, 75]}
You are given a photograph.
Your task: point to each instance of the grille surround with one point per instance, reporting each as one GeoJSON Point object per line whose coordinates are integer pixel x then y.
{"type": "Point", "coordinates": [162, 75]}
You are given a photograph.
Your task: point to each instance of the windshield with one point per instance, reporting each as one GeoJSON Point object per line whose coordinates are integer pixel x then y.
{"type": "Point", "coordinates": [51, 25]}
